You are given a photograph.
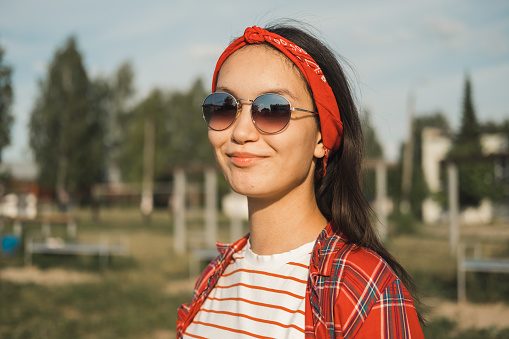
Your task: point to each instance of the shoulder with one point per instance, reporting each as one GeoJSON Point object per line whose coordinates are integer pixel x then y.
{"type": "Point", "coordinates": [348, 271]}
{"type": "Point", "coordinates": [353, 286]}
{"type": "Point", "coordinates": [335, 256]}
{"type": "Point", "coordinates": [362, 267]}
{"type": "Point", "coordinates": [350, 264]}
{"type": "Point", "coordinates": [371, 300]}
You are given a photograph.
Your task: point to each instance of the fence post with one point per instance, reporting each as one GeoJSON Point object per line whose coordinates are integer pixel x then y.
{"type": "Point", "coordinates": [381, 195]}
{"type": "Point", "coordinates": [210, 207]}
{"type": "Point", "coordinates": [462, 292]}
{"type": "Point", "coordinates": [179, 212]}
{"type": "Point", "coordinates": [452, 175]}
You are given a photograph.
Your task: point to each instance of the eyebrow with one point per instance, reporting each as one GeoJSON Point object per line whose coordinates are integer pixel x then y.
{"type": "Point", "coordinates": [280, 91]}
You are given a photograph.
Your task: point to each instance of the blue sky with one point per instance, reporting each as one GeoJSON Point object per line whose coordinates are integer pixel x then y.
{"type": "Point", "coordinates": [393, 46]}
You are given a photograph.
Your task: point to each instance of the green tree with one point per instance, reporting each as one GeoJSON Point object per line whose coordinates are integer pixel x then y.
{"type": "Point", "coordinates": [6, 99]}
{"type": "Point", "coordinates": [121, 90]}
{"type": "Point", "coordinates": [67, 124]}
{"type": "Point", "coordinates": [475, 177]}
{"type": "Point", "coordinates": [154, 107]}
{"type": "Point", "coordinates": [372, 147]}
{"type": "Point", "coordinates": [372, 151]}
{"type": "Point", "coordinates": [180, 133]}
{"type": "Point", "coordinates": [419, 189]}
{"type": "Point", "coordinates": [188, 134]}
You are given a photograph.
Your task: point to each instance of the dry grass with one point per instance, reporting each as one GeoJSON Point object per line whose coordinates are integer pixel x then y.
{"type": "Point", "coordinates": [137, 296]}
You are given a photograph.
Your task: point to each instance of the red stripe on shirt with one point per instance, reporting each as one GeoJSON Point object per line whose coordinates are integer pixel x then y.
{"type": "Point", "coordinates": [264, 289]}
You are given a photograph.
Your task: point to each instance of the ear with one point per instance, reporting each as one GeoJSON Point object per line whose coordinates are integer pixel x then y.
{"type": "Point", "coordinates": [319, 148]}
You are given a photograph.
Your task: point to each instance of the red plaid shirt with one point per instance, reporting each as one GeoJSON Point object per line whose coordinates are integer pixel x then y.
{"type": "Point", "coordinates": [351, 292]}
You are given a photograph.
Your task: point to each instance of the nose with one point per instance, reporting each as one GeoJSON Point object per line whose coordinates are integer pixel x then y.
{"type": "Point", "coordinates": [243, 129]}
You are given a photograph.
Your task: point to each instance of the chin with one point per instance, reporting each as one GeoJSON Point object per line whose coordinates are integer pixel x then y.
{"type": "Point", "coordinates": [249, 186]}
{"type": "Point", "coordinates": [244, 187]}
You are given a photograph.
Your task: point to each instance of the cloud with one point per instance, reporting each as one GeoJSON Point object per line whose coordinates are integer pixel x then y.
{"type": "Point", "coordinates": [494, 41]}
{"type": "Point", "coordinates": [40, 66]}
{"type": "Point", "coordinates": [205, 50]}
{"type": "Point", "coordinates": [367, 36]}
{"type": "Point", "coordinates": [452, 31]}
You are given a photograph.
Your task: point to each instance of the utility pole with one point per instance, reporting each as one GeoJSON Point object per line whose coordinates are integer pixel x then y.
{"type": "Point", "coordinates": [63, 146]}
{"type": "Point", "coordinates": [147, 203]}
{"type": "Point", "coordinates": [406, 181]}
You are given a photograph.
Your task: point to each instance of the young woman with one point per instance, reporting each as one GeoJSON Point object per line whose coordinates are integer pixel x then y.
{"type": "Point", "coordinates": [286, 134]}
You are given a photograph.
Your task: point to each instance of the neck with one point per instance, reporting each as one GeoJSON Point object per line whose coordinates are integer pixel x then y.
{"type": "Point", "coordinates": [283, 224]}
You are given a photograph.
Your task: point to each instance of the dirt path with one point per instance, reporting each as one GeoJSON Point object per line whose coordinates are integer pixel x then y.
{"type": "Point", "coordinates": [468, 315]}
{"type": "Point", "coordinates": [54, 276]}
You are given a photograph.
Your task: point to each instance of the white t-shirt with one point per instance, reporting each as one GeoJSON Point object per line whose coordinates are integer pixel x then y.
{"type": "Point", "coordinates": [258, 296]}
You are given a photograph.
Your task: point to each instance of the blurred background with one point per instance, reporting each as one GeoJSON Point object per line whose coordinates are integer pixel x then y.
{"type": "Point", "coordinates": [110, 200]}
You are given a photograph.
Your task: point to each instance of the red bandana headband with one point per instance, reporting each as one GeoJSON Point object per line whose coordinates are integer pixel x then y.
{"type": "Point", "coordinates": [330, 119]}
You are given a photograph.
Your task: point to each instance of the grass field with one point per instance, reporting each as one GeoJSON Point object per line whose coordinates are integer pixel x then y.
{"type": "Point", "coordinates": [137, 296]}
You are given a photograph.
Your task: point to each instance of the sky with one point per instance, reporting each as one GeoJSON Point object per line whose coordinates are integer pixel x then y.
{"type": "Point", "coordinates": [392, 49]}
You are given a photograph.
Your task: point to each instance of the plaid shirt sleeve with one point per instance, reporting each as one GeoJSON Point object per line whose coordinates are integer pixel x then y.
{"type": "Point", "coordinates": [353, 293]}
{"type": "Point", "coordinates": [392, 315]}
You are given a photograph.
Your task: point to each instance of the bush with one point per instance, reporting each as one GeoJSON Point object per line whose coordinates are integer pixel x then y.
{"type": "Point", "coordinates": [404, 223]}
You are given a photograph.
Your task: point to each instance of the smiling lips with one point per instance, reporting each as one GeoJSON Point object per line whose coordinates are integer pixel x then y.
{"type": "Point", "coordinates": [243, 159]}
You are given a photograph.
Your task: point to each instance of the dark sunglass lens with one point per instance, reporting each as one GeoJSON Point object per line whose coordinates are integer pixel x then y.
{"type": "Point", "coordinates": [219, 110]}
{"type": "Point", "coordinates": [271, 112]}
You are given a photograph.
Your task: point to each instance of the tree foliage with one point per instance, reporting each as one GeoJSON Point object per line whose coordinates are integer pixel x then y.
{"type": "Point", "coordinates": [6, 99]}
{"type": "Point", "coordinates": [67, 123]}
{"type": "Point", "coordinates": [372, 147]}
{"type": "Point", "coordinates": [419, 189]}
{"type": "Point", "coordinates": [154, 107]}
{"type": "Point", "coordinates": [372, 150]}
{"type": "Point", "coordinates": [121, 92]}
{"type": "Point", "coordinates": [180, 133]}
{"type": "Point", "coordinates": [187, 130]}
{"type": "Point", "coordinates": [476, 179]}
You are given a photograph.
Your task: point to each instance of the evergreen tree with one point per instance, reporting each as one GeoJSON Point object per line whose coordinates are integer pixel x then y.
{"type": "Point", "coordinates": [475, 177]}
{"type": "Point", "coordinates": [468, 139]}
{"type": "Point", "coordinates": [67, 124]}
{"type": "Point", "coordinates": [6, 94]}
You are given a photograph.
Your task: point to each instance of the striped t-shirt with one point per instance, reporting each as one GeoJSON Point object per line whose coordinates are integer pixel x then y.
{"type": "Point", "coordinates": [258, 296]}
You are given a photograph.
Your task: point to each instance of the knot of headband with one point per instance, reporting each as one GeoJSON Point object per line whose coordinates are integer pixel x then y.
{"type": "Point", "coordinates": [254, 35]}
{"type": "Point", "coordinates": [330, 119]}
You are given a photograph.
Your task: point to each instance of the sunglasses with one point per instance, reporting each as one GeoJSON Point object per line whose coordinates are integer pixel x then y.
{"type": "Point", "coordinates": [270, 112]}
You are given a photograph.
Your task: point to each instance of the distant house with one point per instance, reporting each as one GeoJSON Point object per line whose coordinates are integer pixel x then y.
{"type": "Point", "coordinates": [18, 195]}
{"type": "Point", "coordinates": [435, 147]}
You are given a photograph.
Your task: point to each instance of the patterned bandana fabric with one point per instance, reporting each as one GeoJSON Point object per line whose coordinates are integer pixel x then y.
{"type": "Point", "coordinates": [330, 119]}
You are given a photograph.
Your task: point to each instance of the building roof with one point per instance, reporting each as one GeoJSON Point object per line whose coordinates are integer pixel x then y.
{"type": "Point", "coordinates": [22, 171]}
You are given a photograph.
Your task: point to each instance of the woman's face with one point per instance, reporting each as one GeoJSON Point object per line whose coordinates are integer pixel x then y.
{"type": "Point", "coordinates": [266, 165]}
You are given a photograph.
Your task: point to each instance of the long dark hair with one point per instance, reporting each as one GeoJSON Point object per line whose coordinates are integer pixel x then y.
{"type": "Point", "coordinates": [339, 194]}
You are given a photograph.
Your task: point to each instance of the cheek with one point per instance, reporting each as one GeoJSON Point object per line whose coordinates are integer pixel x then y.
{"type": "Point", "coordinates": [297, 145]}
{"type": "Point", "coordinates": [215, 139]}
{"type": "Point", "coordinates": [306, 139]}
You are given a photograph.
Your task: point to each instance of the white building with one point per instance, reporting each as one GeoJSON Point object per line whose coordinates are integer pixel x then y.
{"type": "Point", "coordinates": [21, 203]}
{"type": "Point", "coordinates": [435, 146]}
